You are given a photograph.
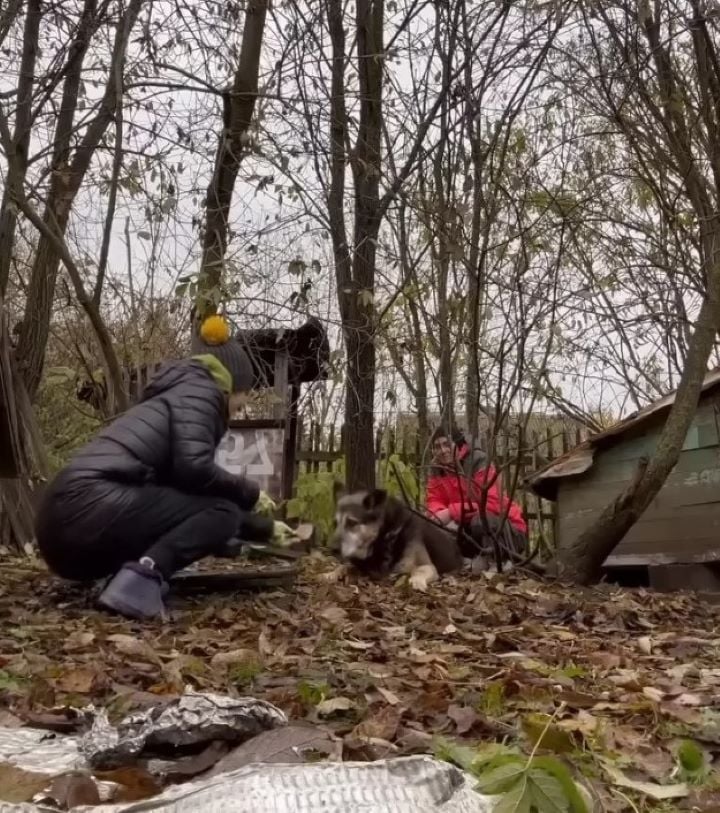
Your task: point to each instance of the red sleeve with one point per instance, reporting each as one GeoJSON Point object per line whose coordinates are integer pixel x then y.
{"type": "Point", "coordinates": [487, 475]}
{"type": "Point", "coordinates": [461, 513]}
{"type": "Point", "coordinates": [434, 497]}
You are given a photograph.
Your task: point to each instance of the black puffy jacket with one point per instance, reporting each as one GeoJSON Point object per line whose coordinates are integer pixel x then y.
{"type": "Point", "coordinates": [169, 439]}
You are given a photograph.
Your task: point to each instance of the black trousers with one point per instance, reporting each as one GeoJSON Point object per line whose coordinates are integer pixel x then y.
{"type": "Point", "coordinates": [172, 528]}
{"type": "Point", "coordinates": [510, 539]}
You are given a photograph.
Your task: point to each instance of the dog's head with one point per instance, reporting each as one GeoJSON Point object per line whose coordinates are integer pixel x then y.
{"type": "Point", "coordinates": [359, 519]}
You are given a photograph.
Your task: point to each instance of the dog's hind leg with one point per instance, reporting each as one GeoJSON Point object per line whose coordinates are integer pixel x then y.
{"type": "Point", "coordinates": [416, 563]}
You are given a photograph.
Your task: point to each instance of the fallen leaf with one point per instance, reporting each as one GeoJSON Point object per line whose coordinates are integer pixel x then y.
{"type": "Point", "coordinates": [412, 741]}
{"type": "Point", "coordinates": [222, 660]}
{"type": "Point", "coordinates": [358, 645]}
{"type": "Point", "coordinates": [185, 767]}
{"type": "Point", "coordinates": [542, 731]}
{"type": "Point", "coordinates": [304, 532]}
{"type": "Point", "coordinates": [73, 790]}
{"type": "Point", "coordinates": [335, 615]}
{"type": "Point", "coordinates": [78, 640]}
{"type": "Point", "coordinates": [18, 785]}
{"type": "Point", "coordinates": [134, 647]}
{"type": "Point", "coordinates": [606, 660]}
{"type": "Point", "coordinates": [464, 717]}
{"type": "Point", "coordinates": [8, 720]}
{"type": "Point", "coordinates": [654, 694]}
{"type": "Point", "coordinates": [389, 696]}
{"type": "Point", "coordinates": [688, 699]}
{"type": "Point", "coordinates": [265, 646]}
{"type": "Point", "coordinates": [78, 681]}
{"type": "Point", "coordinates": [584, 723]}
{"type": "Point", "coordinates": [380, 726]}
{"type": "Point", "coordinates": [368, 749]}
{"type": "Point", "coordinates": [645, 644]}
{"type": "Point", "coordinates": [135, 784]}
{"type": "Point", "coordinates": [287, 744]}
{"type": "Point", "coordinates": [652, 789]}
{"type": "Point", "coordinates": [627, 679]}
{"type": "Point", "coordinates": [335, 704]}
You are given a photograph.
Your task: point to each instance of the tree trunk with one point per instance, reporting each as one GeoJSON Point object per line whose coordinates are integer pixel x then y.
{"type": "Point", "coordinates": [67, 177]}
{"type": "Point", "coordinates": [17, 167]}
{"type": "Point", "coordinates": [355, 273]}
{"type": "Point", "coordinates": [360, 327]}
{"type": "Point", "coordinates": [238, 110]}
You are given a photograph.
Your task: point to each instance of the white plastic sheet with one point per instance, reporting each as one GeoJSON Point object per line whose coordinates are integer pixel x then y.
{"type": "Point", "coordinates": [417, 784]}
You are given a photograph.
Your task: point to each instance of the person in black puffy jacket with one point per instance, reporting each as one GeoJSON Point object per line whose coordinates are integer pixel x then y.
{"type": "Point", "coordinates": [145, 497]}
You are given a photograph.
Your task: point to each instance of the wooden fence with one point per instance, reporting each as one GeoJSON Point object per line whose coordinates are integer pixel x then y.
{"type": "Point", "coordinates": [514, 455]}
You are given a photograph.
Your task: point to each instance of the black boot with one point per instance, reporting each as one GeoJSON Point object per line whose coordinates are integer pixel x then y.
{"type": "Point", "coordinates": [136, 591]}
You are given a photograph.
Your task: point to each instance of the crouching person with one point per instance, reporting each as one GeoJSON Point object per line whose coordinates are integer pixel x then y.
{"type": "Point", "coordinates": [454, 493]}
{"type": "Point", "coordinates": [145, 497]}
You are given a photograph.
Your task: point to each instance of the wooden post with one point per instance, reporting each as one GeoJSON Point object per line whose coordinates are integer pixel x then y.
{"type": "Point", "coordinates": [290, 466]}
{"type": "Point", "coordinates": [281, 406]}
{"type": "Point", "coordinates": [331, 448]}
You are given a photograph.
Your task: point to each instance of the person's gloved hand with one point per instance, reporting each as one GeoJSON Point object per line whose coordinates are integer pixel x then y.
{"type": "Point", "coordinates": [265, 505]}
{"type": "Point", "coordinates": [283, 535]}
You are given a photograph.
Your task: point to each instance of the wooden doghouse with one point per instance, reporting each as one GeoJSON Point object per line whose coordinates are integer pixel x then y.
{"type": "Point", "coordinates": [678, 538]}
{"type": "Point", "coordinates": [264, 448]}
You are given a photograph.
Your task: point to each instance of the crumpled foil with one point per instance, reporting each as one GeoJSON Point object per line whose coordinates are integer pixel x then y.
{"type": "Point", "coordinates": [194, 718]}
{"type": "Point", "coordinates": [416, 784]}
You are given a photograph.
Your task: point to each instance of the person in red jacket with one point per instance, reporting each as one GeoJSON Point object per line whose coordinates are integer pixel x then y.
{"type": "Point", "coordinates": [454, 496]}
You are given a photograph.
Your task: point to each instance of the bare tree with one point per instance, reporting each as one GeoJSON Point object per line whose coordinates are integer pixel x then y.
{"type": "Point", "coordinates": [69, 168]}
{"type": "Point", "coordinates": [657, 82]}
{"type": "Point", "coordinates": [19, 144]}
{"type": "Point", "coordinates": [238, 108]}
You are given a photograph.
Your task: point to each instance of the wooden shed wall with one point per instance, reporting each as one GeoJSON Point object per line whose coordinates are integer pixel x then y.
{"type": "Point", "coordinates": [683, 522]}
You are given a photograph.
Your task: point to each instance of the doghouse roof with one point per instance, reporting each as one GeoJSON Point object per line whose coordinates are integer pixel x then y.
{"type": "Point", "coordinates": [544, 482]}
{"type": "Point", "coordinates": [307, 347]}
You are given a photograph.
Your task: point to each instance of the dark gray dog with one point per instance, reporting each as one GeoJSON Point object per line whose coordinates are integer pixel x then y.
{"type": "Point", "coordinates": [378, 536]}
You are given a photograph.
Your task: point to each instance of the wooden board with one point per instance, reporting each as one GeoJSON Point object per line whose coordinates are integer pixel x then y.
{"type": "Point", "coordinates": [234, 575]}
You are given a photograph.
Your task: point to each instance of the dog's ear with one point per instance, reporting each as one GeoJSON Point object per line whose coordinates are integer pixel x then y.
{"type": "Point", "coordinates": [338, 490]}
{"type": "Point", "coordinates": [375, 499]}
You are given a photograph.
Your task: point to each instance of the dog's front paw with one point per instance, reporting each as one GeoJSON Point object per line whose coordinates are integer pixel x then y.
{"type": "Point", "coordinates": [419, 581]}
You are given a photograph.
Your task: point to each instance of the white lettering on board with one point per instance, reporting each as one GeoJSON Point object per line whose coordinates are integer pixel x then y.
{"type": "Point", "coordinates": [704, 477]}
{"type": "Point", "coordinates": [245, 455]}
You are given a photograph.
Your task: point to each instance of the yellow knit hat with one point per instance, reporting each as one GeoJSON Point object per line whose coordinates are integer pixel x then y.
{"type": "Point", "coordinates": [215, 330]}
{"type": "Point", "coordinates": [215, 335]}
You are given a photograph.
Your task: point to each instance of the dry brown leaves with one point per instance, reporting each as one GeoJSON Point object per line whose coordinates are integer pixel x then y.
{"type": "Point", "coordinates": [384, 669]}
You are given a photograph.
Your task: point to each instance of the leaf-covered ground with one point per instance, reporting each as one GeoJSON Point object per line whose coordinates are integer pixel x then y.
{"type": "Point", "coordinates": [613, 680]}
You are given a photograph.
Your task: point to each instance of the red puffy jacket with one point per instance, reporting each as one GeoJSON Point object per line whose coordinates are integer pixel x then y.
{"type": "Point", "coordinates": [448, 489]}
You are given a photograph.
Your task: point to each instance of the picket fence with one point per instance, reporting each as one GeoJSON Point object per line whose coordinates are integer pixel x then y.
{"type": "Point", "coordinates": [514, 454]}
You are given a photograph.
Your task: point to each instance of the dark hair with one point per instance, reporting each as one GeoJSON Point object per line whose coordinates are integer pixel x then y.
{"type": "Point", "coordinates": [438, 434]}
{"type": "Point", "coordinates": [455, 435]}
